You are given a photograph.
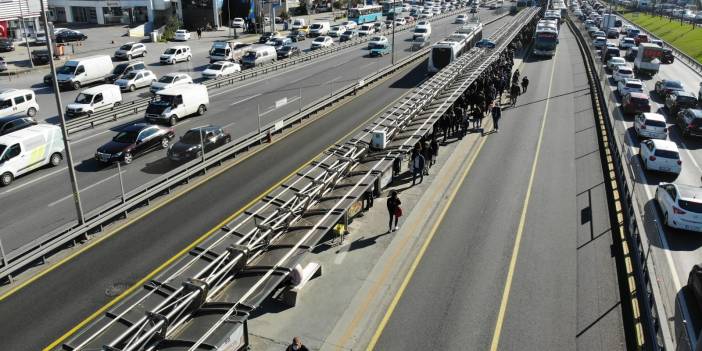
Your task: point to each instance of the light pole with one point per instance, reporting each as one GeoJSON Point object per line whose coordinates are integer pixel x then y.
{"type": "Point", "coordinates": [62, 118]}
{"type": "Point", "coordinates": [393, 41]}
{"type": "Point", "coordinates": [24, 29]}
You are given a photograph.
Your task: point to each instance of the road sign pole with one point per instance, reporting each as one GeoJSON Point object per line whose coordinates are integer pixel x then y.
{"type": "Point", "coordinates": [62, 118]}
{"type": "Point", "coordinates": [121, 181]}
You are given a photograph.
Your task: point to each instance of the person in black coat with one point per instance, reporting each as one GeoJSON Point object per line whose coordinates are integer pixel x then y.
{"type": "Point", "coordinates": [393, 205]}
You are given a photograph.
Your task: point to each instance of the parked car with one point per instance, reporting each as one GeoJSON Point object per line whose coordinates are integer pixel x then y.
{"type": "Point", "coordinates": [238, 22]}
{"type": "Point", "coordinates": [689, 121]}
{"type": "Point", "coordinates": [664, 87]}
{"type": "Point", "coordinates": [133, 141]}
{"type": "Point", "coordinates": [694, 283]}
{"type": "Point", "coordinates": [170, 80]}
{"type": "Point", "coordinates": [41, 57]}
{"type": "Point", "coordinates": [191, 143]}
{"type": "Point", "coordinates": [135, 80]}
{"type": "Point", "coordinates": [181, 35]}
{"type": "Point", "coordinates": [627, 86]}
{"type": "Point", "coordinates": [6, 45]}
{"type": "Point", "coordinates": [680, 100]}
{"type": "Point", "coordinates": [660, 155]}
{"type": "Point", "coordinates": [680, 205]}
{"type": "Point", "coordinates": [123, 69]}
{"type": "Point", "coordinates": [39, 38]}
{"type": "Point", "coordinates": [221, 69]}
{"type": "Point", "coordinates": [650, 125]}
{"type": "Point", "coordinates": [9, 124]}
{"type": "Point", "coordinates": [3, 65]}
{"type": "Point", "coordinates": [322, 42]}
{"type": "Point", "coordinates": [68, 36]}
{"type": "Point", "coordinates": [633, 103]}
{"type": "Point", "coordinates": [130, 50]}
{"type": "Point", "coordinates": [176, 54]}
{"type": "Point", "coordinates": [288, 51]}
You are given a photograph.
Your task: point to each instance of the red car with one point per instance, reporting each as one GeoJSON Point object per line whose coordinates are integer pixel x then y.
{"type": "Point", "coordinates": [634, 103]}
{"type": "Point", "coordinates": [641, 38]}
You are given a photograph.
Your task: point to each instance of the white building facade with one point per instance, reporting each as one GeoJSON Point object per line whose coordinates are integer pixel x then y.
{"type": "Point", "coordinates": [110, 11]}
{"type": "Point", "coordinates": [18, 16]}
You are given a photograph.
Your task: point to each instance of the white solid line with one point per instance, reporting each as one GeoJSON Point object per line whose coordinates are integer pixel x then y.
{"type": "Point", "coordinates": [84, 189]}
{"type": "Point", "coordinates": [246, 99]}
{"type": "Point", "coordinates": [33, 181]}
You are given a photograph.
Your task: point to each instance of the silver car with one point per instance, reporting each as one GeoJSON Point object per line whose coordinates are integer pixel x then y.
{"type": "Point", "coordinates": [136, 79]}
{"type": "Point", "coordinates": [129, 50]}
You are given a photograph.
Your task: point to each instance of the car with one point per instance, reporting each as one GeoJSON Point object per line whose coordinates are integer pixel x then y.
{"type": "Point", "coordinates": [279, 42]}
{"type": "Point", "coordinates": [322, 42]}
{"type": "Point", "coordinates": [130, 50]}
{"type": "Point", "coordinates": [170, 80]}
{"type": "Point", "coordinates": [657, 42]}
{"type": "Point", "coordinates": [6, 45]}
{"type": "Point", "coordinates": [123, 69]}
{"type": "Point", "coordinates": [591, 30]}
{"type": "Point", "coordinates": [599, 42]}
{"type": "Point", "coordinates": [660, 155]}
{"type": "Point", "coordinates": [409, 19]}
{"type": "Point", "coordinates": [297, 35]}
{"type": "Point", "coordinates": [3, 64]}
{"type": "Point", "coordinates": [664, 87]}
{"type": "Point", "coordinates": [625, 28]}
{"type": "Point", "coordinates": [627, 86]}
{"type": "Point", "coordinates": [694, 283]}
{"type": "Point", "coordinates": [267, 36]}
{"type": "Point", "coordinates": [461, 19]}
{"type": "Point", "coordinates": [389, 23]}
{"type": "Point", "coordinates": [599, 33]}
{"type": "Point", "coordinates": [336, 31]}
{"type": "Point", "coordinates": [680, 205]}
{"type": "Point", "coordinates": [667, 56]}
{"type": "Point", "coordinates": [133, 141]}
{"type": "Point", "coordinates": [192, 142]}
{"type": "Point", "coordinates": [181, 35]}
{"type": "Point", "coordinates": [238, 22]}
{"type": "Point", "coordinates": [136, 79]}
{"type": "Point", "coordinates": [631, 53]}
{"type": "Point", "coordinates": [641, 38]}
{"type": "Point", "coordinates": [612, 33]}
{"type": "Point", "coordinates": [633, 103]}
{"type": "Point", "coordinates": [9, 124]}
{"type": "Point", "coordinates": [689, 121]}
{"type": "Point", "coordinates": [41, 57]}
{"type": "Point", "coordinates": [68, 36]}
{"type": "Point", "coordinates": [287, 51]}
{"type": "Point", "coordinates": [349, 24]}
{"type": "Point", "coordinates": [220, 69]}
{"type": "Point", "coordinates": [400, 22]}
{"type": "Point", "coordinates": [622, 72]}
{"type": "Point", "coordinates": [680, 100]}
{"type": "Point", "coordinates": [380, 50]}
{"type": "Point", "coordinates": [377, 41]}
{"type": "Point", "coordinates": [379, 26]}
{"type": "Point", "coordinates": [609, 52]}
{"type": "Point", "coordinates": [626, 43]}
{"type": "Point", "coordinates": [485, 43]}
{"type": "Point", "coordinates": [39, 38]}
{"type": "Point", "coordinates": [615, 61]}
{"type": "Point", "coordinates": [650, 125]}
{"type": "Point", "coordinates": [176, 54]}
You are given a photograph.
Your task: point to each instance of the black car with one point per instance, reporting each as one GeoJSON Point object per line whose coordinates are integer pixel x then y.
{"type": "Point", "coordinates": [694, 283]}
{"type": "Point", "coordinates": [609, 53]}
{"type": "Point", "coordinates": [265, 37]}
{"type": "Point", "coordinates": [10, 124]}
{"type": "Point", "coordinates": [6, 45]}
{"type": "Point", "coordinates": [41, 57]}
{"type": "Point", "coordinates": [69, 36]}
{"type": "Point", "coordinates": [297, 35]}
{"type": "Point", "coordinates": [190, 144]}
{"type": "Point", "coordinates": [667, 56]}
{"type": "Point", "coordinates": [286, 51]}
{"type": "Point", "coordinates": [134, 140]}
{"type": "Point", "coordinates": [680, 100]}
{"type": "Point", "coordinates": [689, 121]}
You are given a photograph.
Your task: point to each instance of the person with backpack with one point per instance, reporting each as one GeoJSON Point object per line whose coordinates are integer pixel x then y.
{"type": "Point", "coordinates": [525, 84]}
{"type": "Point", "coordinates": [394, 210]}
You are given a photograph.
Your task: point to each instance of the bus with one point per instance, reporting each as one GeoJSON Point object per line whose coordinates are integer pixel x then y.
{"type": "Point", "coordinates": [365, 14]}
{"type": "Point", "coordinates": [449, 49]}
{"type": "Point", "coordinates": [545, 40]}
{"type": "Point", "coordinates": [392, 7]}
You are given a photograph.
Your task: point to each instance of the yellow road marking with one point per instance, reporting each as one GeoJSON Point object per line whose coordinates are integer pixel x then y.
{"type": "Point", "coordinates": [201, 238]}
{"type": "Point", "coordinates": [522, 220]}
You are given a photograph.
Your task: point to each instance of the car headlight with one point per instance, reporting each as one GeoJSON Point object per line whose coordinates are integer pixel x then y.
{"type": "Point", "coordinates": [119, 154]}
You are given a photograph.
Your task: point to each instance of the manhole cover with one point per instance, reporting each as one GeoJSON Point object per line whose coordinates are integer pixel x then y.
{"type": "Point", "coordinates": [117, 288]}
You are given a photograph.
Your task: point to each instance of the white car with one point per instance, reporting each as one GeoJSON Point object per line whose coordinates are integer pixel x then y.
{"type": "Point", "coordinates": [461, 19]}
{"type": "Point", "coordinates": [599, 42]}
{"type": "Point", "coordinates": [176, 54]}
{"type": "Point", "coordinates": [221, 69]}
{"type": "Point", "coordinates": [238, 23]}
{"type": "Point", "coordinates": [136, 79]}
{"type": "Point", "coordinates": [349, 24]}
{"type": "Point", "coordinates": [660, 155]}
{"type": "Point", "coordinates": [170, 80]}
{"type": "Point", "coordinates": [651, 125]}
{"type": "Point", "coordinates": [625, 28]}
{"type": "Point", "coordinates": [627, 86]}
{"type": "Point", "coordinates": [182, 35]}
{"type": "Point", "coordinates": [400, 22]}
{"type": "Point", "coordinates": [623, 72]}
{"type": "Point", "coordinates": [322, 42]}
{"type": "Point", "coordinates": [336, 31]}
{"type": "Point", "coordinates": [626, 43]}
{"type": "Point", "coordinates": [681, 205]}
{"type": "Point", "coordinates": [426, 14]}
{"type": "Point", "coordinates": [377, 41]}
{"type": "Point", "coordinates": [614, 62]}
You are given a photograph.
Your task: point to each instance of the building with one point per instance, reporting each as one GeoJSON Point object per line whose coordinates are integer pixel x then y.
{"type": "Point", "coordinates": [11, 14]}
{"type": "Point", "coordinates": [111, 11]}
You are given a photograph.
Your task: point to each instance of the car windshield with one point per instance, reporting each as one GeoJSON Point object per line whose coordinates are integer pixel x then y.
{"type": "Point", "coordinates": [5, 104]}
{"type": "Point", "coordinates": [286, 48]}
{"type": "Point", "coordinates": [690, 206]}
{"type": "Point", "coordinates": [218, 51]}
{"type": "Point", "coordinates": [215, 66]}
{"type": "Point", "coordinates": [624, 71]}
{"type": "Point", "coordinates": [639, 101]}
{"type": "Point", "coordinates": [170, 51]}
{"type": "Point", "coordinates": [348, 32]}
{"type": "Point", "coordinates": [166, 79]}
{"type": "Point", "coordinates": [655, 123]}
{"type": "Point", "coordinates": [127, 137]}
{"type": "Point", "coordinates": [84, 98]}
{"type": "Point", "coordinates": [673, 84]}
{"type": "Point", "coordinates": [319, 39]}
{"type": "Point", "coordinates": [420, 30]}
{"type": "Point", "coordinates": [682, 99]}
{"type": "Point", "coordinates": [191, 137]}
{"type": "Point", "coordinates": [66, 69]}
{"type": "Point", "coordinates": [375, 39]}
{"type": "Point", "coordinates": [163, 100]}
{"type": "Point", "coordinates": [130, 75]}
{"type": "Point", "coordinates": [126, 47]}
{"type": "Point", "coordinates": [120, 68]}
{"type": "Point", "coordinates": [250, 55]}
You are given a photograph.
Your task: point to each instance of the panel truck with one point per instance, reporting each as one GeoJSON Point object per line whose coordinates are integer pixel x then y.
{"type": "Point", "coordinates": [227, 51]}
{"type": "Point", "coordinates": [648, 59]}
{"type": "Point", "coordinates": [608, 21]}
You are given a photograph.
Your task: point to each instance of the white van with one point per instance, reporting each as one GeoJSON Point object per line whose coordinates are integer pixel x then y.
{"type": "Point", "coordinates": [319, 28]}
{"type": "Point", "coordinates": [176, 54]}
{"type": "Point", "coordinates": [258, 55]}
{"type": "Point", "coordinates": [94, 99]}
{"type": "Point", "coordinates": [422, 31]}
{"type": "Point", "coordinates": [83, 71]}
{"type": "Point", "coordinates": [298, 23]}
{"type": "Point", "coordinates": [18, 102]}
{"type": "Point", "coordinates": [28, 149]}
{"type": "Point", "coordinates": [170, 105]}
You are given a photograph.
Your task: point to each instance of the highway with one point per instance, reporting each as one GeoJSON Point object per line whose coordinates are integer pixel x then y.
{"type": "Point", "coordinates": [674, 251]}
{"type": "Point", "coordinates": [46, 194]}
{"type": "Point", "coordinates": [88, 281]}
{"type": "Point", "coordinates": [521, 259]}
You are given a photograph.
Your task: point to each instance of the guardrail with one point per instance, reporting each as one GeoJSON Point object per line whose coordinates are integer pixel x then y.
{"type": "Point", "coordinates": [241, 264]}
{"type": "Point", "coordinates": [135, 106]}
{"type": "Point", "coordinates": [644, 307]}
{"type": "Point", "coordinates": [43, 246]}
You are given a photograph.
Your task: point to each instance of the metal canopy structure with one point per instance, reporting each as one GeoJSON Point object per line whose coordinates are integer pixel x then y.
{"type": "Point", "coordinates": [202, 300]}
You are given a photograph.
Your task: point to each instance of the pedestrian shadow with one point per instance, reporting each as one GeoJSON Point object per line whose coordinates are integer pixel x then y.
{"type": "Point", "coordinates": [362, 242]}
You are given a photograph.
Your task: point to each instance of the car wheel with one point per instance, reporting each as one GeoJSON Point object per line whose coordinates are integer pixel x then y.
{"type": "Point", "coordinates": [227, 139]}
{"type": "Point", "coordinates": [173, 120]}
{"type": "Point", "coordinates": [164, 143]}
{"type": "Point", "coordinates": [116, 104]}
{"type": "Point", "coordinates": [201, 110]}
{"type": "Point", "coordinates": [31, 112]}
{"type": "Point", "coordinates": [55, 159]}
{"type": "Point", "coordinates": [128, 158]}
{"type": "Point", "coordinates": [75, 85]}
{"type": "Point", "coordinates": [6, 179]}
{"type": "Point", "coordinates": [132, 87]}
{"type": "Point", "coordinates": [187, 58]}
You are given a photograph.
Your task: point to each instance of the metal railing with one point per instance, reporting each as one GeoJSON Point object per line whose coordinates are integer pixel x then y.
{"type": "Point", "coordinates": [233, 270]}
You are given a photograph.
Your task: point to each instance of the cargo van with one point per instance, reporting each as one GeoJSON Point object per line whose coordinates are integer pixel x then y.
{"type": "Point", "coordinates": [319, 28]}
{"type": "Point", "coordinates": [258, 55]}
{"type": "Point", "coordinates": [298, 23]}
{"type": "Point", "coordinates": [94, 99]}
{"type": "Point", "coordinates": [18, 102]}
{"type": "Point", "coordinates": [28, 149]}
{"type": "Point", "coordinates": [227, 51]}
{"type": "Point", "coordinates": [170, 105]}
{"type": "Point", "coordinates": [83, 71]}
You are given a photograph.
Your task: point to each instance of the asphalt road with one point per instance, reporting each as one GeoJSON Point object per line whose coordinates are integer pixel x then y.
{"type": "Point", "coordinates": [82, 284]}
{"type": "Point", "coordinates": [563, 292]}
{"type": "Point", "coordinates": [46, 194]}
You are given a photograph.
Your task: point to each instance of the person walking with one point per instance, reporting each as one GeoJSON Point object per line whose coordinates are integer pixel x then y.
{"type": "Point", "coordinates": [514, 93]}
{"type": "Point", "coordinates": [417, 166]}
{"type": "Point", "coordinates": [199, 32]}
{"type": "Point", "coordinates": [434, 146]}
{"type": "Point", "coordinates": [296, 345]}
{"type": "Point", "coordinates": [394, 210]}
{"type": "Point", "coordinates": [515, 76]}
{"type": "Point", "coordinates": [525, 84]}
{"type": "Point", "coordinates": [496, 115]}
{"type": "Point", "coordinates": [428, 157]}
{"type": "Point", "coordinates": [477, 118]}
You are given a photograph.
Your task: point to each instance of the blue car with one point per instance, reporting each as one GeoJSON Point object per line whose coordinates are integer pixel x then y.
{"type": "Point", "coordinates": [485, 43]}
{"type": "Point", "coordinates": [381, 50]}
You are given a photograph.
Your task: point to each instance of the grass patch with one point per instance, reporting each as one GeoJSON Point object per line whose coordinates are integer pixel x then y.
{"type": "Point", "coordinates": [685, 37]}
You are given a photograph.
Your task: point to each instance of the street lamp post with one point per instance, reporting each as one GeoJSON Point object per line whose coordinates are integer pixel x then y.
{"type": "Point", "coordinates": [24, 30]}
{"type": "Point", "coordinates": [393, 40]}
{"type": "Point", "coordinates": [62, 118]}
